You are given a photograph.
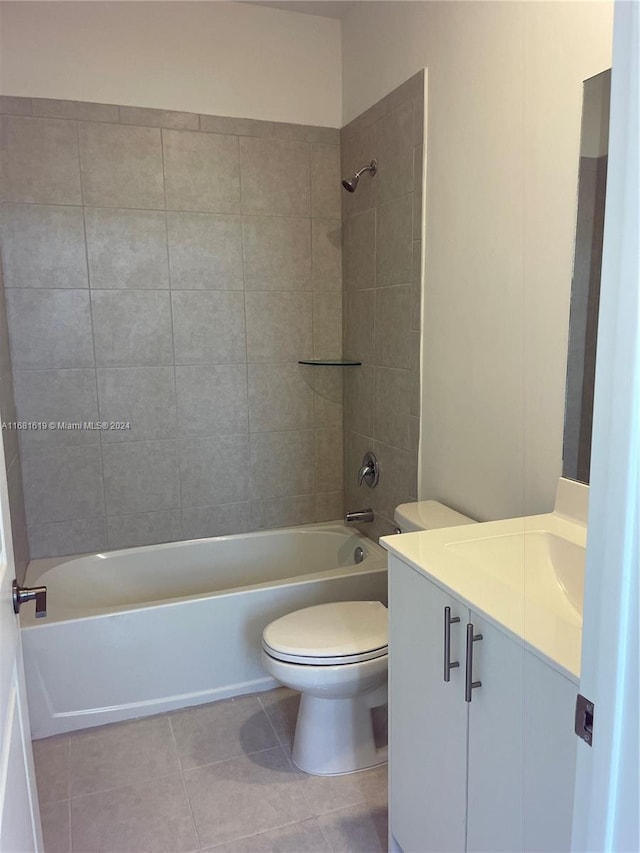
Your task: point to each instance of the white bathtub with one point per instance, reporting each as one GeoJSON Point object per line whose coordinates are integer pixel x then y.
{"type": "Point", "coordinates": [145, 630]}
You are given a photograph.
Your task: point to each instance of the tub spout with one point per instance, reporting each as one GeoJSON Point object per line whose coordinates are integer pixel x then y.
{"type": "Point", "coordinates": [360, 516]}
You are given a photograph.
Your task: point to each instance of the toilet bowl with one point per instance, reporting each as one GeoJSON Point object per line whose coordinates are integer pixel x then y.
{"type": "Point", "coordinates": [336, 656]}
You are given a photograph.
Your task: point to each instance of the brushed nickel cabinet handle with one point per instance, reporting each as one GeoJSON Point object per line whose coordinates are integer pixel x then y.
{"type": "Point", "coordinates": [448, 664]}
{"type": "Point", "coordinates": [470, 684]}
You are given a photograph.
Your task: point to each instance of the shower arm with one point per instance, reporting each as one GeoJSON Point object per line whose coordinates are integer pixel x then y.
{"type": "Point", "coordinates": [372, 167]}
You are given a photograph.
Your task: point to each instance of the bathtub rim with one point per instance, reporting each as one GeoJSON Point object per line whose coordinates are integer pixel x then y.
{"type": "Point", "coordinates": [376, 561]}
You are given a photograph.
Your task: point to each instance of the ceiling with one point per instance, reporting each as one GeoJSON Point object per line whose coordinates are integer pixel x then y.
{"type": "Point", "coordinates": [324, 8]}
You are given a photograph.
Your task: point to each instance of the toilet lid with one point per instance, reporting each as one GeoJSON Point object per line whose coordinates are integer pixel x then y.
{"type": "Point", "coordinates": [340, 629]}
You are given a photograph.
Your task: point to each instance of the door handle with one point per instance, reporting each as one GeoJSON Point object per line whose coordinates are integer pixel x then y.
{"type": "Point", "coordinates": [448, 664]}
{"type": "Point", "coordinates": [22, 594]}
{"type": "Point", "coordinates": [470, 684]}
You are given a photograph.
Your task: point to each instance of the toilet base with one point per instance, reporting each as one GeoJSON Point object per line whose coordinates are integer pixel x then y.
{"type": "Point", "coordinates": [336, 736]}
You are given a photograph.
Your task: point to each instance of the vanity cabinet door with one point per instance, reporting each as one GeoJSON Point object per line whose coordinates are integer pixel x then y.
{"type": "Point", "coordinates": [496, 742]}
{"type": "Point", "coordinates": [522, 749]}
{"type": "Point", "coordinates": [428, 717]}
{"type": "Point", "coordinates": [550, 747]}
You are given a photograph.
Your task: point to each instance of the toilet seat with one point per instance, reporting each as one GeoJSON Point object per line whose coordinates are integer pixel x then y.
{"type": "Point", "coordinates": [336, 660]}
{"type": "Point", "coordinates": [344, 632]}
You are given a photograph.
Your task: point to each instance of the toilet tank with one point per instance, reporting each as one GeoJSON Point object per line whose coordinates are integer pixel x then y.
{"type": "Point", "coordinates": [428, 515]}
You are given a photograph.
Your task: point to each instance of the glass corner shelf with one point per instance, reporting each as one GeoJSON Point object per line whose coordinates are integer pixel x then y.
{"type": "Point", "coordinates": [330, 362]}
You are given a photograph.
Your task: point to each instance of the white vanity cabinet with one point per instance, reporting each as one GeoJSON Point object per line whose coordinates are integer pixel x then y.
{"type": "Point", "coordinates": [493, 774]}
{"type": "Point", "coordinates": [427, 723]}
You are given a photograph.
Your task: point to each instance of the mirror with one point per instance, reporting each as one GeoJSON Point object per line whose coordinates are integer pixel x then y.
{"type": "Point", "coordinates": [585, 286]}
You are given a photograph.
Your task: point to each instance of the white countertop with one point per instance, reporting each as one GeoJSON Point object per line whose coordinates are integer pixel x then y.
{"type": "Point", "coordinates": [504, 571]}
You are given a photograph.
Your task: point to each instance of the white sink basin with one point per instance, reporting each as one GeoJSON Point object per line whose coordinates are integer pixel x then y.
{"type": "Point", "coordinates": [546, 568]}
{"type": "Point", "coordinates": [524, 574]}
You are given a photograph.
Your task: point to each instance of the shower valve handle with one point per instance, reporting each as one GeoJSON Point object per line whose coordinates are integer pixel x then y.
{"type": "Point", "coordinates": [369, 472]}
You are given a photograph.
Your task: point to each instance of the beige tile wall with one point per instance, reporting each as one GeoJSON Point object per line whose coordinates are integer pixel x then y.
{"type": "Point", "coordinates": [10, 440]}
{"type": "Point", "coordinates": [382, 300]}
{"type": "Point", "coordinates": [169, 270]}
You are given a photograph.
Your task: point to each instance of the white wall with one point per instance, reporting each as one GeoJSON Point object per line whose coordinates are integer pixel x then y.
{"type": "Point", "coordinates": [504, 104]}
{"type": "Point", "coordinates": [220, 58]}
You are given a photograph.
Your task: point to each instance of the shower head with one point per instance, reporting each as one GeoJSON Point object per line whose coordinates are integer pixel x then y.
{"type": "Point", "coordinates": [350, 184]}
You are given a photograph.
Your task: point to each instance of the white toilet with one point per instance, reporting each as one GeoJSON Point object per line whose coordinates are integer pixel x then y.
{"type": "Point", "coordinates": [336, 656]}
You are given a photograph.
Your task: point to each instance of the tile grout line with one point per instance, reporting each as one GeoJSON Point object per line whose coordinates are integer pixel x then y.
{"type": "Point", "coordinates": [171, 320]}
{"type": "Point", "coordinates": [374, 416]}
{"type": "Point", "coordinates": [314, 290]}
{"type": "Point", "coordinates": [305, 795]}
{"type": "Point", "coordinates": [243, 262]}
{"type": "Point", "coordinates": [70, 819]}
{"type": "Point", "coordinates": [239, 212]}
{"type": "Point", "coordinates": [313, 327]}
{"type": "Point", "coordinates": [184, 783]}
{"type": "Point", "coordinates": [258, 834]}
{"type": "Point", "coordinates": [347, 384]}
{"type": "Point", "coordinates": [121, 787]}
{"type": "Point", "coordinates": [325, 836]}
{"type": "Point", "coordinates": [313, 305]}
{"type": "Point", "coordinates": [265, 291]}
{"type": "Point", "coordinates": [237, 757]}
{"type": "Point", "coordinates": [93, 345]}
{"type": "Point", "coordinates": [278, 739]}
{"type": "Point", "coordinates": [43, 447]}
{"type": "Point", "coordinates": [375, 207]}
{"type": "Point", "coordinates": [167, 126]}
{"type": "Point", "coordinates": [69, 779]}
{"type": "Point", "coordinates": [138, 366]}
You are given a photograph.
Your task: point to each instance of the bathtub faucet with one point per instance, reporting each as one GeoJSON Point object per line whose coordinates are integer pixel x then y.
{"type": "Point", "coordinates": [360, 516]}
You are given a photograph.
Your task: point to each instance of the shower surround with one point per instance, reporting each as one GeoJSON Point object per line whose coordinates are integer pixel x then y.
{"type": "Point", "coordinates": [167, 270]}
{"type": "Point", "coordinates": [382, 280]}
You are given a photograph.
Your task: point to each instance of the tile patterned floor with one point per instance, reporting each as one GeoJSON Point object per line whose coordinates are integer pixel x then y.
{"type": "Point", "coordinates": [217, 777]}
